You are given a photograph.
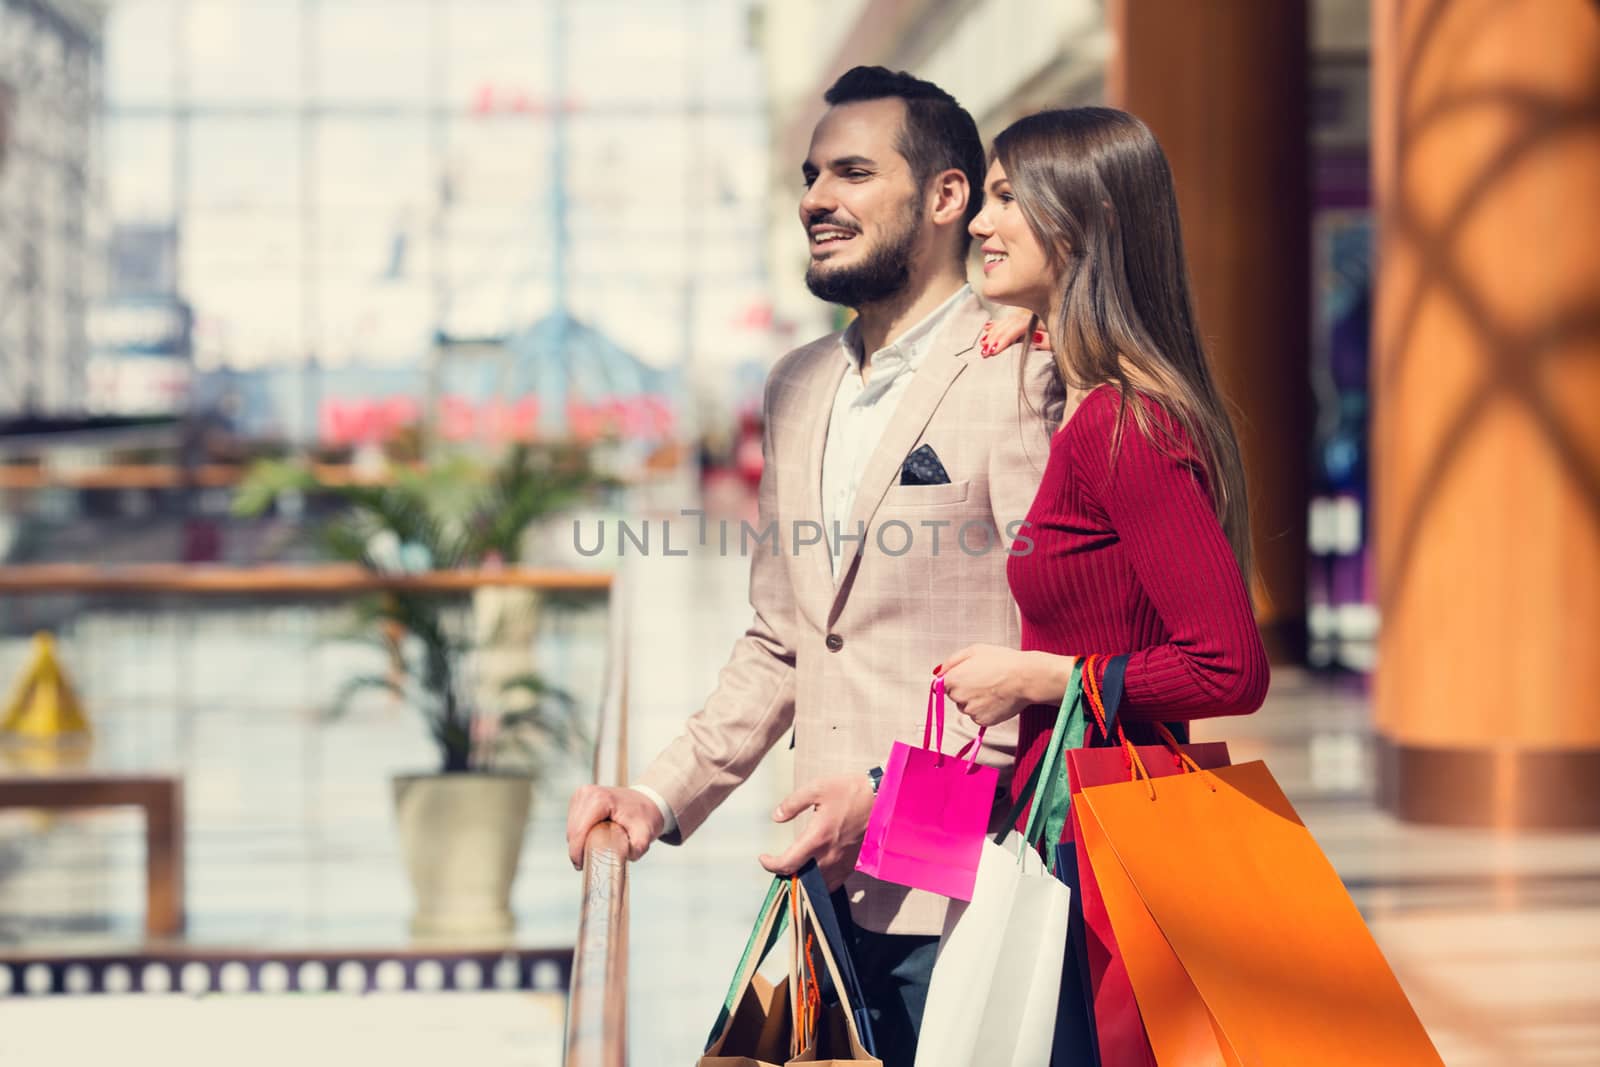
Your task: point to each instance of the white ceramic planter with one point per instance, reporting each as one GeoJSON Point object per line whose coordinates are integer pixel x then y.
{"type": "Point", "coordinates": [461, 835]}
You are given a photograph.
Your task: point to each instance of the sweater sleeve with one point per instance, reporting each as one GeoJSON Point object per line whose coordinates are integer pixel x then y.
{"type": "Point", "coordinates": [1155, 497]}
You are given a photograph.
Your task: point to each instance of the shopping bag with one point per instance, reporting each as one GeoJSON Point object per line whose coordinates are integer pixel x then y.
{"type": "Point", "coordinates": [995, 988]}
{"type": "Point", "coordinates": [817, 1013]}
{"type": "Point", "coordinates": [1168, 1012]}
{"type": "Point", "coordinates": [1119, 1028]}
{"type": "Point", "coordinates": [1075, 1043]}
{"type": "Point", "coordinates": [1241, 943]}
{"type": "Point", "coordinates": [755, 1025]}
{"type": "Point", "coordinates": [832, 1022]}
{"type": "Point", "coordinates": [992, 998]}
{"type": "Point", "coordinates": [928, 823]}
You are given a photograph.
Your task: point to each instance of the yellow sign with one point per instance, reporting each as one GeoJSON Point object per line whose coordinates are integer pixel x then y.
{"type": "Point", "coordinates": [43, 704]}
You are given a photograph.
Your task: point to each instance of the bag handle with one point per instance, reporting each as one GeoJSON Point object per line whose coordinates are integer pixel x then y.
{"type": "Point", "coordinates": [772, 919]}
{"type": "Point", "coordinates": [1184, 759]}
{"type": "Point", "coordinates": [1113, 684]}
{"type": "Point", "coordinates": [972, 747]}
{"type": "Point", "coordinates": [818, 902]}
{"type": "Point", "coordinates": [1071, 706]}
{"type": "Point", "coordinates": [1104, 695]}
{"type": "Point", "coordinates": [805, 996]}
{"type": "Point", "coordinates": [1021, 805]}
{"type": "Point", "coordinates": [936, 708]}
{"type": "Point", "coordinates": [1052, 803]}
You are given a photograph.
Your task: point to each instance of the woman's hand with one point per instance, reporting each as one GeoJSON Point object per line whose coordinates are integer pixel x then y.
{"type": "Point", "coordinates": [1006, 331]}
{"type": "Point", "coordinates": [991, 684]}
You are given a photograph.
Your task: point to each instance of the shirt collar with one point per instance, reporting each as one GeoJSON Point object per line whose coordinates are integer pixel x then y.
{"type": "Point", "coordinates": [908, 350]}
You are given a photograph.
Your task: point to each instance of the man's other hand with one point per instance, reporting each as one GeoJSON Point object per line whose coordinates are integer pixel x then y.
{"type": "Point", "coordinates": [840, 808]}
{"type": "Point", "coordinates": [630, 809]}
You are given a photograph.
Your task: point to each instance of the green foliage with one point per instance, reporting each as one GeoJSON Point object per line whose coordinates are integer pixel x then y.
{"type": "Point", "coordinates": [448, 515]}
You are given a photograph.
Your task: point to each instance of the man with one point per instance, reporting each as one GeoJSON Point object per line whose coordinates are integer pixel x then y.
{"type": "Point", "coordinates": [917, 459]}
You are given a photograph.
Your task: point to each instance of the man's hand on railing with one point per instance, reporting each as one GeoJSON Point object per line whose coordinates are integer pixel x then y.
{"type": "Point", "coordinates": [630, 809]}
{"type": "Point", "coordinates": [840, 807]}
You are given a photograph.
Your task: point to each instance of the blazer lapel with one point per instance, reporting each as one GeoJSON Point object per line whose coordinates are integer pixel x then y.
{"type": "Point", "coordinates": [946, 359]}
{"type": "Point", "coordinates": [827, 381]}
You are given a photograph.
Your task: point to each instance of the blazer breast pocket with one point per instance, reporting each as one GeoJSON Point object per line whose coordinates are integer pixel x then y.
{"type": "Point", "coordinates": [915, 496]}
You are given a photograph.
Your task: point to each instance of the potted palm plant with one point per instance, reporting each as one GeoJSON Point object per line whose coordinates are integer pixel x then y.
{"type": "Point", "coordinates": [461, 825]}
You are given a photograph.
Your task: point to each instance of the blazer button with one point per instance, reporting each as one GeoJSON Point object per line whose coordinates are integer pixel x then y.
{"type": "Point", "coordinates": [834, 642]}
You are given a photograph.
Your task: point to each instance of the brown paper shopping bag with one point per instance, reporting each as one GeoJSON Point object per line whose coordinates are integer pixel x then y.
{"type": "Point", "coordinates": [832, 1027]}
{"type": "Point", "coordinates": [816, 1015]}
{"type": "Point", "coordinates": [755, 1026]}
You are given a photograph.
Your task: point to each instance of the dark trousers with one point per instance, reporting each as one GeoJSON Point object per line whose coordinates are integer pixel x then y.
{"type": "Point", "coordinates": [895, 970]}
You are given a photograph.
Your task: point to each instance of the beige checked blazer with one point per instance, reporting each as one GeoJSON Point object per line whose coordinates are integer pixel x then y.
{"type": "Point", "coordinates": [845, 666]}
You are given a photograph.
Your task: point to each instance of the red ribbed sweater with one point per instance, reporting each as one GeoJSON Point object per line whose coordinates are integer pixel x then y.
{"type": "Point", "coordinates": [1128, 557]}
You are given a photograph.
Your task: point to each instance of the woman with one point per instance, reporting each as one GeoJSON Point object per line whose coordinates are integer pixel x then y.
{"type": "Point", "coordinates": [1140, 530]}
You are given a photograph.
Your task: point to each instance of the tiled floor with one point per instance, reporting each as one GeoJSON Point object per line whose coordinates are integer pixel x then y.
{"type": "Point", "coordinates": [1496, 938]}
{"type": "Point", "coordinates": [421, 1029]}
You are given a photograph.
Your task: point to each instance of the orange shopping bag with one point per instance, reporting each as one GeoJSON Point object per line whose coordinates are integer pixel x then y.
{"type": "Point", "coordinates": [1243, 948]}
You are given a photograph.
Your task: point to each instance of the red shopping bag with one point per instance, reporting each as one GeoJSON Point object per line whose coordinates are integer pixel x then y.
{"type": "Point", "coordinates": [1118, 1027]}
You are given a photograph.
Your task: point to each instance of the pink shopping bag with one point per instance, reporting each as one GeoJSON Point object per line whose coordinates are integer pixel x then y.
{"type": "Point", "coordinates": [927, 825]}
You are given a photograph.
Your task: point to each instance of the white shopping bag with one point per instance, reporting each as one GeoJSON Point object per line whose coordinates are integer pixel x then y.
{"type": "Point", "coordinates": [997, 978]}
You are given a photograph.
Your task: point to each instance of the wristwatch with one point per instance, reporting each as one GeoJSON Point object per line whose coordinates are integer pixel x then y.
{"type": "Point", "coordinates": [876, 777]}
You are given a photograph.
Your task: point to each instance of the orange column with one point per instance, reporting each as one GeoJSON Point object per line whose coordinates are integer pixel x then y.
{"type": "Point", "coordinates": [1486, 149]}
{"type": "Point", "coordinates": [1223, 85]}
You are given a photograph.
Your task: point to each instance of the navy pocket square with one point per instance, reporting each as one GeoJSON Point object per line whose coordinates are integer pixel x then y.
{"type": "Point", "coordinates": [922, 467]}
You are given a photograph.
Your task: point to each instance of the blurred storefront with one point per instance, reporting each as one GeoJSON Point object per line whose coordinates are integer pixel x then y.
{"type": "Point", "coordinates": [343, 213]}
{"type": "Point", "coordinates": [141, 332]}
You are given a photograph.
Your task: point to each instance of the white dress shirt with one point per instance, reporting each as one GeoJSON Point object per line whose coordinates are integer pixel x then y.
{"type": "Point", "coordinates": [862, 408]}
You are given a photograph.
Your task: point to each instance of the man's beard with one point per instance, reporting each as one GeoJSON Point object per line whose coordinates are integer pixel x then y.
{"type": "Point", "coordinates": [884, 272]}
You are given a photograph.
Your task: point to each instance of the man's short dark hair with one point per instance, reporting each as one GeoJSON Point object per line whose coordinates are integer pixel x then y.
{"type": "Point", "coordinates": [938, 134]}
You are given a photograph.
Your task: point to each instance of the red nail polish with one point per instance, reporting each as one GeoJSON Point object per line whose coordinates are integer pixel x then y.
{"type": "Point", "coordinates": [1038, 337]}
{"type": "Point", "coordinates": [938, 668]}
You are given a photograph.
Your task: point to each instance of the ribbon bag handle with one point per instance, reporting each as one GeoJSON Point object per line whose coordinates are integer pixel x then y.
{"type": "Point", "coordinates": [935, 707]}
{"type": "Point", "coordinates": [970, 750]}
{"type": "Point", "coordinates": [935, 716]}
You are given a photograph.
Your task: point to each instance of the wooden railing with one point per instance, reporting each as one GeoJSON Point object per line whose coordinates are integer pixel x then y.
{"type": "Point", "coordinates": [319, 579]}
{"type": "Point", "coordinates": [168, 476]}
{"type": "Point", "coordinates": [597, 1015]}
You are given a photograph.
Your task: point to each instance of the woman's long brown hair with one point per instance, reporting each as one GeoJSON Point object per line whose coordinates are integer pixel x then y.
{"type": "Point", "coordinates": [1097, 192]}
